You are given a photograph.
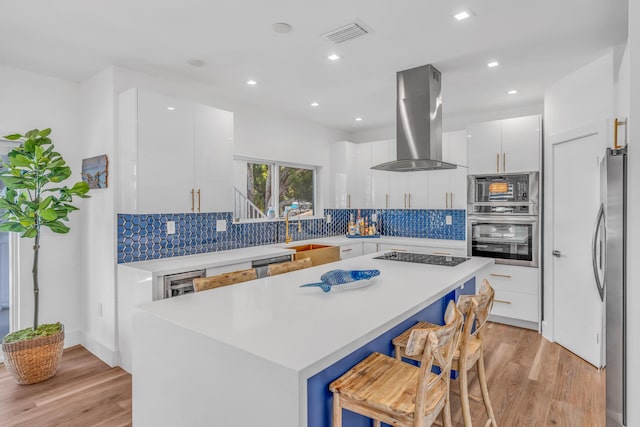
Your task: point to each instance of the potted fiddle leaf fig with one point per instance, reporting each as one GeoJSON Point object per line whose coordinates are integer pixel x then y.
{"type": "Point", "coordinates": [33, 198]}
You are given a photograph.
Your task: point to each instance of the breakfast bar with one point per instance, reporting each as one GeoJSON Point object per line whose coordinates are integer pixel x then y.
{"type": "Point", "coordinates": [261, 353]}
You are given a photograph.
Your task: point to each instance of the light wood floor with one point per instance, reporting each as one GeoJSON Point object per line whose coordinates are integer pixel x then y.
{"type": "Point", "coordinates": [532, 383]}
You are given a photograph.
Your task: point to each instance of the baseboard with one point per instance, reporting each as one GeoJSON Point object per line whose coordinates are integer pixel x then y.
{"type": "Point", "coordinates": [72, 338]}
{"type": "Point", "coordinates": [514, 322]}
{"type": "Point", "coordinates": [98, 349]}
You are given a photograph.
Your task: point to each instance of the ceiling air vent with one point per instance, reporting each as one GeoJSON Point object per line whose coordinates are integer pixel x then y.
{"type": "Point", "coordinates": [346, 33]}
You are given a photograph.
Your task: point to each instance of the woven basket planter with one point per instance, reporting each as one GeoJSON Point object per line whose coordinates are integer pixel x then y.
{"type": "Point", "coordinates": [35, 360]}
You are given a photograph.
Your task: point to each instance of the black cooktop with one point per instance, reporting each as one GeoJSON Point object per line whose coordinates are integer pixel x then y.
{"type": "Point", "coordinates": [448, 261]}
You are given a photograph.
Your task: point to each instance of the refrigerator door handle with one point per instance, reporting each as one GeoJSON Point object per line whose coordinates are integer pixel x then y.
{"type": "Point", "coordinates": [594, 254]}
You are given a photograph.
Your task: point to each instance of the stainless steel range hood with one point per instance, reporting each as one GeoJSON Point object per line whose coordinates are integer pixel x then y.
{"type": "Point", "coordinates": [419, 122]}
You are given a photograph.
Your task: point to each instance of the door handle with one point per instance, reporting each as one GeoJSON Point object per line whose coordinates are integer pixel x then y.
{"type": "Point", "coordinates": [409, 200]}
{"type": "Point", "coordinates": [594, 245]}
{"type": "Point", "coordinates": [446, 200]}
{"type": "Point", "coordinates": [348, 201]}
{"type": "Point", "coordinates": [198, 200]}
{"type": "Point", "coordinates": [504, 162]}
{"type": "Point", "coordinates": [556, 253]}
{"type": "Point", "coordinates": [405, 200]}
{"type": "Point", "coordinates": [192, 200]}
{"type": "Point", "coordinates": [497, 162]}
{"type": "Point", "coordinates": [386, 200]}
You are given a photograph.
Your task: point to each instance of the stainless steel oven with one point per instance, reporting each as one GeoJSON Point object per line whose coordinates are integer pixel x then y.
{"type": "Point", "coordinates": [507, 239]}
{"type": "Point", "coordinates": [502, 219]}
{"type": "Point", "coordinates": [503, 194]}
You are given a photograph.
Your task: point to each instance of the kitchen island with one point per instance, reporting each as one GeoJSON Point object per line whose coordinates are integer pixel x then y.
{"type": "Point", "coordinates": [261, 353]}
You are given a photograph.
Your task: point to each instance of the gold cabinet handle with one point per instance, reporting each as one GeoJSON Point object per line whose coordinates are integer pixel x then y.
{"type": "Point", "coordinates": [192, 200]}
{"type": "Point", "coordinates": [446, 200]}
{"type": "Point", "coordinates": [451, 200]}
{"type": "Point", "coordinates": [348, 201]}
{"type": "Point", "coordinates": [405, 200]}
{"type": "Point", "coordinates": [502, 301]}
{"type": "Point", "coordinates": [500, 275]}
{"type": "Point", "coordinates": [347, 250]}
{"type": "Point", "coordinates": [497, 162]}
{"type": "Point", "coordinates": [504, 162]}
{"type": "Point", "coordinates": [386, 200]}
{"type": "Point", "coordinates": [398, 250]}
{"type": "Point", "coordinates": [198, 200]}
{"type": "Point", "coordinates": [409, 200]}
{"type": "Point", "coordinates": [441, 253]}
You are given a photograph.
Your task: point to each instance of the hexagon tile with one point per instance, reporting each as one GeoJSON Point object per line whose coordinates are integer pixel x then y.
{"type": "Point", "coordinates": [144, 237]}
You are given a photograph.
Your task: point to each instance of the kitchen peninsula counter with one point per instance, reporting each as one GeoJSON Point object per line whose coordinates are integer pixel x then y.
{"type": "Point", "coordinates": [242, 355]}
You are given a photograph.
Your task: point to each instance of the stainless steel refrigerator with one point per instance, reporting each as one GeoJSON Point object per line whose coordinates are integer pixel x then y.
{"type": "Point", "coordinates": [611, 232]}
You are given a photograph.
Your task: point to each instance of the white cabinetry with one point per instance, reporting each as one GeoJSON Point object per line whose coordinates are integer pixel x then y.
{"type": "Point", "coordinates": [517, 294]}
{"type": "Point", "coordinates": [351, 250]}
{"type": "Point", "coordinates": [504, 146]}
{"type": "Point", "coordinates": [447, 189]}
{"type": "Point", "coordinates": [176, 156]}
{"type": "Point", "coordinates": [381, 152]}
{"type": "Point", "coordinates": [342, 178]}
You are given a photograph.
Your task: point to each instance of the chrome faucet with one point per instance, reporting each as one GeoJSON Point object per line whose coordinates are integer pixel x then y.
{"type": "Point", "coordinates": [288, 239]}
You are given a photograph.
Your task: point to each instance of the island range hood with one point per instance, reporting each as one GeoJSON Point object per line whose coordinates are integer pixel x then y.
{"type": "Point", "coordinates": [418, 122]}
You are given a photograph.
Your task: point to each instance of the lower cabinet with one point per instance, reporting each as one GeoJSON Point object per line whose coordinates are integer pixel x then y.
{"type": "Point", "coordinates": [517, 299]}
{"type": "Point", "coordinates": [351, 250]}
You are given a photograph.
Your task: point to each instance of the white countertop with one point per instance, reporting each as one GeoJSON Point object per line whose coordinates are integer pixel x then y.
{"type": "Point", "coordinates": [305, 329]}
{"type": "Point", "coordinates": [180, 264]}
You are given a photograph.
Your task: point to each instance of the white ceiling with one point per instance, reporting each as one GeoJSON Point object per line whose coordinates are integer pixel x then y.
{"type": "Point", "coordinates": [536, 41]}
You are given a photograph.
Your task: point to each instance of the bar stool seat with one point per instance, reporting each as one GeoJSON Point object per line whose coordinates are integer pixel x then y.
{"type": "Point", "coordinates": [397, 393]}
{"type": "Point", "coordinates": [385, 386]}
{"type": "Point", "coordinates": [469, 353]}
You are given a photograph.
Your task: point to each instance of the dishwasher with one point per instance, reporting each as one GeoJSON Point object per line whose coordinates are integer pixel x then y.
{"type": "Point", "coordinates": [262, 265]}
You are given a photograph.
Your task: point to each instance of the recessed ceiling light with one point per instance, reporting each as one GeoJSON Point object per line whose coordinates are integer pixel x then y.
{"type": "Point", "coordinates": [171, 108]}
{"type": "Point", "coordinates": [460, 16]}
{"type": "Point", "coordinates": [314, 104]}
{"type": "Point", "coordinates": [333, 57]}
{"type": "Point", "coordinates": [252, 82]}
{"type": "Point", "coordinates": [196, 63]}
{"type": "Point", "coordinates": [512, 92]}
{"type": "Point", "coordinates": [281, 27]}
{"type": "Point", "coordinates": [493, 64]}
{"type": "Point", "coordinates": [358, 119]}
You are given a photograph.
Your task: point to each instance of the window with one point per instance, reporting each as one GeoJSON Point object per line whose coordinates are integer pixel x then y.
{"type": "Point", "coordinates": [270, 190]}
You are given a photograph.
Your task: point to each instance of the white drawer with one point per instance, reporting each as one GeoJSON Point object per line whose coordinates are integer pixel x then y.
{"type": "Point", "coordinates": [512, 278]}
{"type": "Point", "coordinates": [369, 247]}
{"type": "Point", "coordinates": [515, 305]}
{"type": "Point", "coordinates": [352, 250]}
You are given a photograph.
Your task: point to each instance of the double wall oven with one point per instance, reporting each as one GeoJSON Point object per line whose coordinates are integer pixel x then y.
{"type": "Point", "coordinates": [502, 217]}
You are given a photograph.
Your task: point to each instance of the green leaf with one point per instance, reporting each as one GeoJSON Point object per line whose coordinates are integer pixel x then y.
{"type": "Point", "coordinates": [29, 146]}
{"type": "Point", "coordinates": [57, 227]}
{"type": "Point", "coordinates": [45, 203]}
{"type": "Point", "coordinates": [12, 226]}
{"type": "Point", "coordinates": [13, 137]}
{"type": "Point", "coordinates": [45, 132]}
{"type": "Point", "coordinates": [49, 214]}
{"type": "Point", "coordinates": [30, 233]}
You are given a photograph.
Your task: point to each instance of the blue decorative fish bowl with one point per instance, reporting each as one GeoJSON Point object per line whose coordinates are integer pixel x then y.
{"type": "Point", "coordinates": [344, 280]}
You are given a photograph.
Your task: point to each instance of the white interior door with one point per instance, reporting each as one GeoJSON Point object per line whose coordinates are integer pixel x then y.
{"type": "Point", "coordinates": [577, 308]}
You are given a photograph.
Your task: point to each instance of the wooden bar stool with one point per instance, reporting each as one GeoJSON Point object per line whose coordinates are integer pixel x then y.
{"type": "Point", "coordinates": [225, 279]}
{"type": "Point", "coordinates": [397, 393]}
{"type": "Point", "coordinates": [286, 267]}
{"type": "Point", "coordinates": [476, 309]}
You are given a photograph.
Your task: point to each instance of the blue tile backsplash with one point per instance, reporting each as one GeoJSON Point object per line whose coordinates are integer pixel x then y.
{"type": "Point", "coordinates": [143, 237]}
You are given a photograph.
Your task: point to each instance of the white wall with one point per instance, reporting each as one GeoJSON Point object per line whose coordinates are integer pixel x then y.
{"type": "Point", "coordinates": [633, 212]}
{"type": "Point", "coordinates": [27, 101]}
{"type": "Point", "coordinates": [97, 118]}
{"type": "Point", "coordinates": [582, 97]}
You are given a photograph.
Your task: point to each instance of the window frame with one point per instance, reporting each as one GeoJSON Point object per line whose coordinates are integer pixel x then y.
{"type": "Point", "coordinates": [275, 185]}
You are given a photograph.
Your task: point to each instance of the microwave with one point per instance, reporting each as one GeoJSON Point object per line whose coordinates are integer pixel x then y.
{"type": "Point", "coordinates": [506, 193]}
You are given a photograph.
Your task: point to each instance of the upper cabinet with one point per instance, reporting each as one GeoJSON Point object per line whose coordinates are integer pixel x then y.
{"type": "Point", "coordinates": [504, 146]}
{"type": "Point", "coordinates": [447, 189]}
{"type": "Point", "coordinates": [175, 156]}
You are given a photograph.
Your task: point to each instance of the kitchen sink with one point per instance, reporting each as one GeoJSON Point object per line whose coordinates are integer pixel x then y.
{"type": "Point", "coordinates": [319, 254]}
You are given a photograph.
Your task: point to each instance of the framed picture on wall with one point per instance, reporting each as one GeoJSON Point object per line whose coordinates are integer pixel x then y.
{"type": "Point", "coordinates": [95, 171]}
